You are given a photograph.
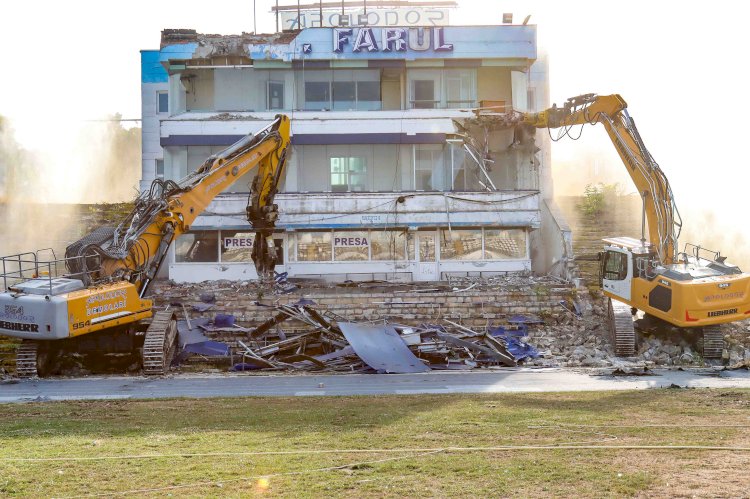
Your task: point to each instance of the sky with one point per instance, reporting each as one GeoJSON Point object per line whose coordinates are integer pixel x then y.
{"type": "Point", "coordinates": [679, 65]}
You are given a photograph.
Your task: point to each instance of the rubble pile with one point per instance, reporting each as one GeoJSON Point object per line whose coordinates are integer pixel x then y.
{"type": "Point", "coordinates": [278, 333]}
{"type": "Point", "coordinates": [329, 342]}
{"type": "Point", "coordinates": [583, 340]}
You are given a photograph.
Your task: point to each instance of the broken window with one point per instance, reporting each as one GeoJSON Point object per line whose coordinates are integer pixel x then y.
{"type": "Point", "coordinates": [461, 244]}
{"type": "Point", "coordinates": [199, 246]}
{"type": "Point", "coordinates": [388, 245]}
{"type": "Point", "coordinates": [504, 244]}
{"type": "Point", "coordinates": [348, 174]}
{"type": "Point", "coordinates": [275, 95]}
{"type": "Point", "coordinates": [351, 246]}
{"type": "Point", "coordinates": [426, 247]}
{"type": "Point", "coordinates": [314, 247]}
{"type": "Point", "coordinates": [159, 168]}
{"type": "Point", "coordinates": [236, 246]}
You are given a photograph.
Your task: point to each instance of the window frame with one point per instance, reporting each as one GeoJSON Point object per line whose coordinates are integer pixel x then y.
{"type": "Point", "coordinates": [269, 84]}
{"type": "Point", "coordinates": [621, 273]}
{"type": "Point", "coordinates": [158, 161]}
{"type": "Point", "coordinates": [159, 93]}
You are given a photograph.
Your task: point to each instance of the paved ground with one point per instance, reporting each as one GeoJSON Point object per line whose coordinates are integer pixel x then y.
{"type": "Point", "coordinates": [510, 380]}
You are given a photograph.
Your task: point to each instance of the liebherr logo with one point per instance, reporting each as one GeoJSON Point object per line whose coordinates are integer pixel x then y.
{"type": "Point", "coordinates": [19, 326]}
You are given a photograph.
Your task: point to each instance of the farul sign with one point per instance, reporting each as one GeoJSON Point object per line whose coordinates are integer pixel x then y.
{"type": "Point", "coordinates": [390, 39]}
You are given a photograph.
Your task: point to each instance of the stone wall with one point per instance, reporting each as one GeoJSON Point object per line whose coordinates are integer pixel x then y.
{"type": "Point", "coordinates": [410, 305]}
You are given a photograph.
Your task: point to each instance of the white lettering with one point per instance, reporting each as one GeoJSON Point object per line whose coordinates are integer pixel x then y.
{"type": "Point", "coordinates": [340, 38]}
{"type": "Point", "coordinates": [365, 40]}
{"type": "Point", "coordinates": [394, 39]}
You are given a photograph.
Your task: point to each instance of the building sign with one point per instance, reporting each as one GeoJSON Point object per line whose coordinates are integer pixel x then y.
{"type": "Point", "coordinates": [350, 242]}
{"type": "Point", "coordinates": [390, 39]}
{"type": "Point", "coordinates": [238, 242]}
{"type": "Point", "coordinates": [411, 16]}
{"type": "Point", "coordinates": [399, 42]}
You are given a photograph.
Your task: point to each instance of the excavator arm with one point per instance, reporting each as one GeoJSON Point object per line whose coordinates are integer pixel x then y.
{"type": "Point", "coordinates": [663, 219]}
{"type": "Point", "coordinates": [135, 250]}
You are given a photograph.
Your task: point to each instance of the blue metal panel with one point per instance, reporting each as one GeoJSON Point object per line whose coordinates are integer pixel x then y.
{"type": "Point", "coordinates": [177, 52]}
{"type": "Point", "coordinates": [311, 139]}
{"type": "Point", "coordinates": [151, 70]}
{"type": "Point", "coordinates": [453, 42]}
{"type": "Point", "coordinates": [449, 42]}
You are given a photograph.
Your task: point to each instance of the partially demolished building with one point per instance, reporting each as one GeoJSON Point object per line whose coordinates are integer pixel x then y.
{"type": "Point", "coordinates": [392, 175]}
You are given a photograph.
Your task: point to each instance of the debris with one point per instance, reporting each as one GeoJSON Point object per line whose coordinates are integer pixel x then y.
{"type": "Point", "coordinates": [382, 348]}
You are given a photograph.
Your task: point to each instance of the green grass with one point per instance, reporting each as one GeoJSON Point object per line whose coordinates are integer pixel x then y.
{"type": "Point", "coordinates": [125, 429]}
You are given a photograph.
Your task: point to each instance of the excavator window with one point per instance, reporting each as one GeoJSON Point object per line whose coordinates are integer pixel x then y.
{"type": "Point", "coordinates": [615, 266]}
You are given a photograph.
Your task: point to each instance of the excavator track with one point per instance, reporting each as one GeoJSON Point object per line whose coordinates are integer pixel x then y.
{"type": "Point", "coordinates": [160, 344]}
{"type": "Point", "coordinates": [713, 342]}
{"type": "Point", "coordinates": [31, 359]}
{"type": "Point", "coordinates": [621, 328]}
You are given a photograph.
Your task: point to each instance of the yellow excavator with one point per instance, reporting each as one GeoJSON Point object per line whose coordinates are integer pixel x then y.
{"type": "Point", "coordinates": [695, 288]}
{"type": "Point", "coordinates": [94, 298]}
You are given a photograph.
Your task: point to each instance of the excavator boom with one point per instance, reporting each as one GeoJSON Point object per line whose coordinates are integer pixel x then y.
{"type": "Point", "coordinates": [664, 222]}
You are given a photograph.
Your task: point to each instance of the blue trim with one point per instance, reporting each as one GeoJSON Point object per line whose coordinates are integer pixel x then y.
{"type": "Point", "coordinates": [298, 227]}
{"type": "Point", "coordinates": [199, 140]}
{"type": "Point", "coordinates": [311, 139]}
{"type": "Point", "coordinates": [151, 70]}
{"type": "Point", "coordinates": [368, 138]}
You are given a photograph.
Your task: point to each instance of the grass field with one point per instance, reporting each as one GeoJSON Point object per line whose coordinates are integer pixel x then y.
{"type": "Point", "coordinates": [381, 446]}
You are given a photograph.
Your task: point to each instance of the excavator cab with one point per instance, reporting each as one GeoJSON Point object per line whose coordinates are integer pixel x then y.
{"type": "Point", "coordinates": [616, 271]}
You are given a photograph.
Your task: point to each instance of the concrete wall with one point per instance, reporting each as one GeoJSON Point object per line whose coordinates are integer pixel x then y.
{"type": "Point", "coordinates": [552, 243]}
{"type": "Point", "coordinates": [493, 83]}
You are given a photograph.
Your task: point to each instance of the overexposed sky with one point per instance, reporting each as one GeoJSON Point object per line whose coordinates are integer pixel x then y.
{"type": "Point", "coordinates": [679, 65]}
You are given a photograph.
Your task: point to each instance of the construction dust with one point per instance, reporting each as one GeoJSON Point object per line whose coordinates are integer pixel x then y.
{"type": "Point", "coordinates": [92, 163]}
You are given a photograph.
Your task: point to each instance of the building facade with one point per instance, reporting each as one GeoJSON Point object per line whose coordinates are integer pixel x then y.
{"type": "Point", "coordinates": [393, 174]}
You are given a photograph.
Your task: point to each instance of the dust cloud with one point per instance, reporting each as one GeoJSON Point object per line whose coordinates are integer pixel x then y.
{"type": "Point", "coordinates": [41, 190]}
{"type": "Point", "coordinates": [712, 224]}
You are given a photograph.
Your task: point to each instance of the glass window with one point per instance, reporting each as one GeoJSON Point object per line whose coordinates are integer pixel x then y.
{"type": "Point", "coordinates": [348, 174]}
{"type": "Point", "coordinates": [426, 247]}
{"type": "Point", "coordinates": [368, 96]}
{"type": "Point", "coordinates": [616, 266]}
{"type": "Point", "coordinates": [236, 246]}
{"type": "Point", "coordinates": [459, 89]}
{"type": "Point", "coordinates": [275, 95]}
{"type": "Point", "coordinates": [199, 246]}
{"type": "Point", "coordinates": [317, 95]}
{"type": "Point", "coordinates": [351, 246]}
{"type": "Point", "coordinates": [388, 244]}
{"type": "Point", "coordinates": [159, 168]}
{"type": "Point", "coordinates": [503, 244]}
{"type": "Point", "coordinates": [429, 174]}
{"type": "Point", "coordinates": [424, 94]}
{"type": "Point", "coordinates": [162, 102]}
{"type": "Point", "coordinates": [461, 244]}
{"type": "Point", "coordinates": [314, 247]}
{"type": "Point", "coordinates": [344, 96]}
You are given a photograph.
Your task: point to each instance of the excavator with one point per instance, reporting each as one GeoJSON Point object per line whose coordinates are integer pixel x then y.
{"type": "Point", "coordinates": [94, 299]}
{"type": "Point", "coordinates": [695, 289]}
